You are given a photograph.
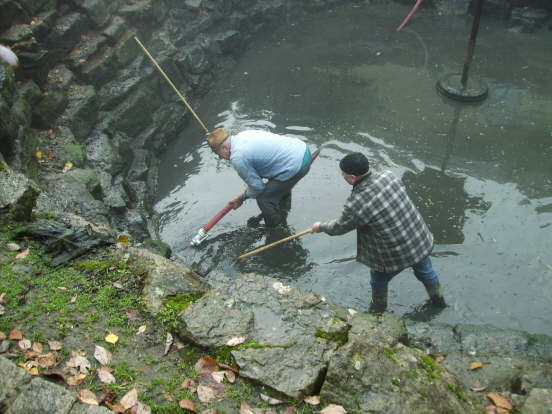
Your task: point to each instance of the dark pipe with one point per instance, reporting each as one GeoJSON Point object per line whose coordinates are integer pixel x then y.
{"type": "Point", "coordinates": [471, 44]}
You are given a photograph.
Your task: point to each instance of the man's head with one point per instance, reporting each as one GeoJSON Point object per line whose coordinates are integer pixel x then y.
{"type": "Point", "coordinates": [217, 141]}
{"type": "Point", "coordinates": [353, 166]}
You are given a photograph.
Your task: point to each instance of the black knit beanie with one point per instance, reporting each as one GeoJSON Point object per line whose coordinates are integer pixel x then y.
{"type": "Point", "coordinates": [354, 164]}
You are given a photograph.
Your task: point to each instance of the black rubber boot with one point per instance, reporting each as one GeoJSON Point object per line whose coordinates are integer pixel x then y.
{"type": "Point", "coordinates": [379, 302]}
{"type": "Point", "coordinates": [436, 296]}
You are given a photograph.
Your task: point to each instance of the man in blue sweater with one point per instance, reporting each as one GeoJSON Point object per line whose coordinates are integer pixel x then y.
{"type": "Point", "coordinates": [270, 164]}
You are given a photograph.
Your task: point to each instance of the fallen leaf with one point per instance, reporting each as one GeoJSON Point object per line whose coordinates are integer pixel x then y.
{"type": "Point", "coordinates": [142, 408]}
{"type": "Point", "coordinates": [206, 365]}
{"type": "Point", "coordinates": [333, 409]}
{"type": "Point", "coordinates": [68, 165]}
{"type": "Point", "coordinates": [76, 379]}
{"type": "Point", "coordinates": [37, 347]}
{"type": "Point", "coordinates": [123, 240]}
{"type": "Point", "coordinates": [24, 344]}
{"type": "Point", "coordinates": [133, 314]}
{"type": "Point", "coordinates": [38, 155]}
{"type": "Point", "coordinates": [2, 300]}
{"type": "Point", "coordinates": [237, 340]}
{"type": "Point", "coordinates": [2, 336]}
{"type": "Point", "coordinates": [312, 399]}
{"type": "Point", "coordinates": [290, 410]}
{"type": "Point", "coordinates": [129, 399]}
{"type": "Point", "coordinates": [141, 329]}
{"type": "Point", "coordinates": [210, 411]}
{"type": "Point", "coordinates": [73, 299]}
{"type": "Point", "coordinates": [190, 385]}
{"type": "Point", "coordinates": [88, 397]}
{"type": "Point", "coordinates": [499, 400]}
{"type": "Point", "coordinates": [231, 376]}
{"type": "Point", "coordinates": [475, 365]}
{"type": "Point", "coordinates": [116, 408]}
{"type": "Point", "coordinates": [102, 355]}
{"type": "Point", "coordinates": [205, 394]}
{"type": "Point", "coordinates": [13, 247]}
{"type": "Point", "coordinates": [56, 374]}
{"type": "Point", "coordinates": [218, 376]}
{"type": "Point", "coordinates": [78, 364]}
{"type": "Point", "coordinates": [118, 285]}
{"type": "Point", "coordinates": [23, 254]}
{"type": "Point", "coordinates": [187, 405]}
{"type": "Point", "coordinates": [168, 344]}
{"type": "Point", "coordinates": [15, 335]}
{"type": "Point", "coordinates": [55, 345]}
{"type": "Point", "coordinates": [270, 400]}
{"type": "Point", "coordinates": [62, 288]}
{"type": "Point", "coordinates": [47, 360]}
{"type": "Point", "coordinates": [439, 359]}
{"type": "Point", "coordinates": [111, 338]}
{"type": "Point", "coordinates": [105, 376]}
{"type": "Point", "coordinates": [246, 408]}
{"type": "Point", "coordinates": [168, 396]}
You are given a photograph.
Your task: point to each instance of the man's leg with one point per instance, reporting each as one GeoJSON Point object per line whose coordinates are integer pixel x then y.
{"type": "Point", "coordinates": [379, 282]}
{"type": "Point", "coordinates": [272, 201]}
{"type": "Point", "coordinates": [425, 273]}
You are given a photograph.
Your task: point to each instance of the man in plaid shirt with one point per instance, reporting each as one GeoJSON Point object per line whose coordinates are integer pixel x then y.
{"type": "Point", "coordinates": [391, 233]}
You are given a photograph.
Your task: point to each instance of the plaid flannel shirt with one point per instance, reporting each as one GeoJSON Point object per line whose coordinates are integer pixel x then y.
{"type": "Point", "coordinates": [391, 233]}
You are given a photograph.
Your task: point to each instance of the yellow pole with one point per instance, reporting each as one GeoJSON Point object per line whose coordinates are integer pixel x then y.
{"type": "Point", "coordinates": [170, 83]}
{"type": "Point", "coordinates": [268, 246]}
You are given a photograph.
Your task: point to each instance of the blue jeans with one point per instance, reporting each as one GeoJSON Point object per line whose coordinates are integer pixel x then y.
{"type": "Point", "coordinates": [423, 270]}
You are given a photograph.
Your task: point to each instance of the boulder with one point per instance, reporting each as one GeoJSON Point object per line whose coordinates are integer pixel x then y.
{"type": "Point", "coordinates": [290, 333]}
{"type": "Point", "coordinates": [18, 194]}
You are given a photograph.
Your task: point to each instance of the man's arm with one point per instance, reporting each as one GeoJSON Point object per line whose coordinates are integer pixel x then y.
{"type": "Point", "coordinates": [249, 175]}
{"type": "Point", "coordinates": [348, 221]}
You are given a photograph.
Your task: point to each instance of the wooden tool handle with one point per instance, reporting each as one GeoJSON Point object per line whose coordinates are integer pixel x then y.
{"type": "Point", "coordinates": [268, 246]}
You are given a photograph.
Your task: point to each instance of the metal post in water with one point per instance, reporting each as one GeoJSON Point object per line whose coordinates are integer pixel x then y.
{"type": "Point", "coordinates": [455, 86]}
{"type": "Point", "coordinates": [471, 44]}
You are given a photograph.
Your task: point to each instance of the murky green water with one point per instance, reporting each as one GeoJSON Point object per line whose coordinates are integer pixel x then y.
{"type": "Point", "coordinates": [348, 81]}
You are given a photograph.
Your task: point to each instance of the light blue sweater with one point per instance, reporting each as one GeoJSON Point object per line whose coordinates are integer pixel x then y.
{"type": "Point", "coordinates": [260, 154]}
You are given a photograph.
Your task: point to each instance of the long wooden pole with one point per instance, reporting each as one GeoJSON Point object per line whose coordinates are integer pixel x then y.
{"type": "Point", "coordinates": [170, 83]}
{"type": "Point", "coordinates": [268, 246]}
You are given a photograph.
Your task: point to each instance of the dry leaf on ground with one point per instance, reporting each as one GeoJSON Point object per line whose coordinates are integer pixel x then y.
{"type": "Point", "coordinates": [290, 410]}
{"type": "Point", "coordinates": [78, 364]}
{"type": "Point", "coordinates": [24, 344]}
{"type": "Point", "coordinates": [475, 365]}
{"type": "Point", "coordinates": [55, 345]}
{"type": "Point", "coordinates": [270, 400]}
{"type": "Point", "coordinates": [205, 394]}
{"type": "Point", "coordinates": [187, 405]}
{"type": "Point", "coordinates": [15, 335]}
{"type": "Point", "coordinates": [47, 360]}
{"type": "Point", "coordinates": [111, 338]}
{"type": "Point", "coordinates": [206, 365]}
{"type": "Point", "coordinates": [102, 355]}
{"type": "Point", "coordinates": [37, 347]}
{"type": "Point", "coordinates": [312, 399]}
{"type": "Point", "coordinates": [88, 397]}
{"type": "Point", "coordinates": [23, 254]}
{"type": "Point", "coordinates": [500, 400]}
{"type": "Point", "coordinates": [190, 385]}
{"type": "Point", "coordinates": [129, 399]}
{"type": "Point", "coordinates": [168, 343]}
{"type": "Point", "coordinates": [237, 340]}
{"type": "Point", "coordinates": [2, 336]}
{"type": "Point", "coordinates": [75, 379]}
{"type": "Point", "coordinates": [105, 376]}
{"type": "Point", "coordinates": [13, 247]}
{"type": "Point", "coordinates": [333, 409]}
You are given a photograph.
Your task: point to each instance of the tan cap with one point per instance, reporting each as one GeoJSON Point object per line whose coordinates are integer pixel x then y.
{"type": "Point", "coordinates": [217, 137]}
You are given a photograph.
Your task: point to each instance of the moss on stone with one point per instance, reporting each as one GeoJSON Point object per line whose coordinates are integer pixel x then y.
{"type": "Point", "coordinates": [339, 338]}
{"type": "Point", "coordinates": [431, 367]}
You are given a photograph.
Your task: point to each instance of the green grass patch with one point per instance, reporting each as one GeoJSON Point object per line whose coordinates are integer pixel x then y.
{"type": "Point", "coordinates": [336, 337]}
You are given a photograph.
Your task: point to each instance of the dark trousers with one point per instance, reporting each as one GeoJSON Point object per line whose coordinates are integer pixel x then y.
{"type": "Point", "coordinates": [275, 200]}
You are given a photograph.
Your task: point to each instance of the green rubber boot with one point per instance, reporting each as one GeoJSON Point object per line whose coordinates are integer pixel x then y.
{"type": "Point", "coordinates": [436, 295]}
{"type": "Point", "coordinates": [379, 302]}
